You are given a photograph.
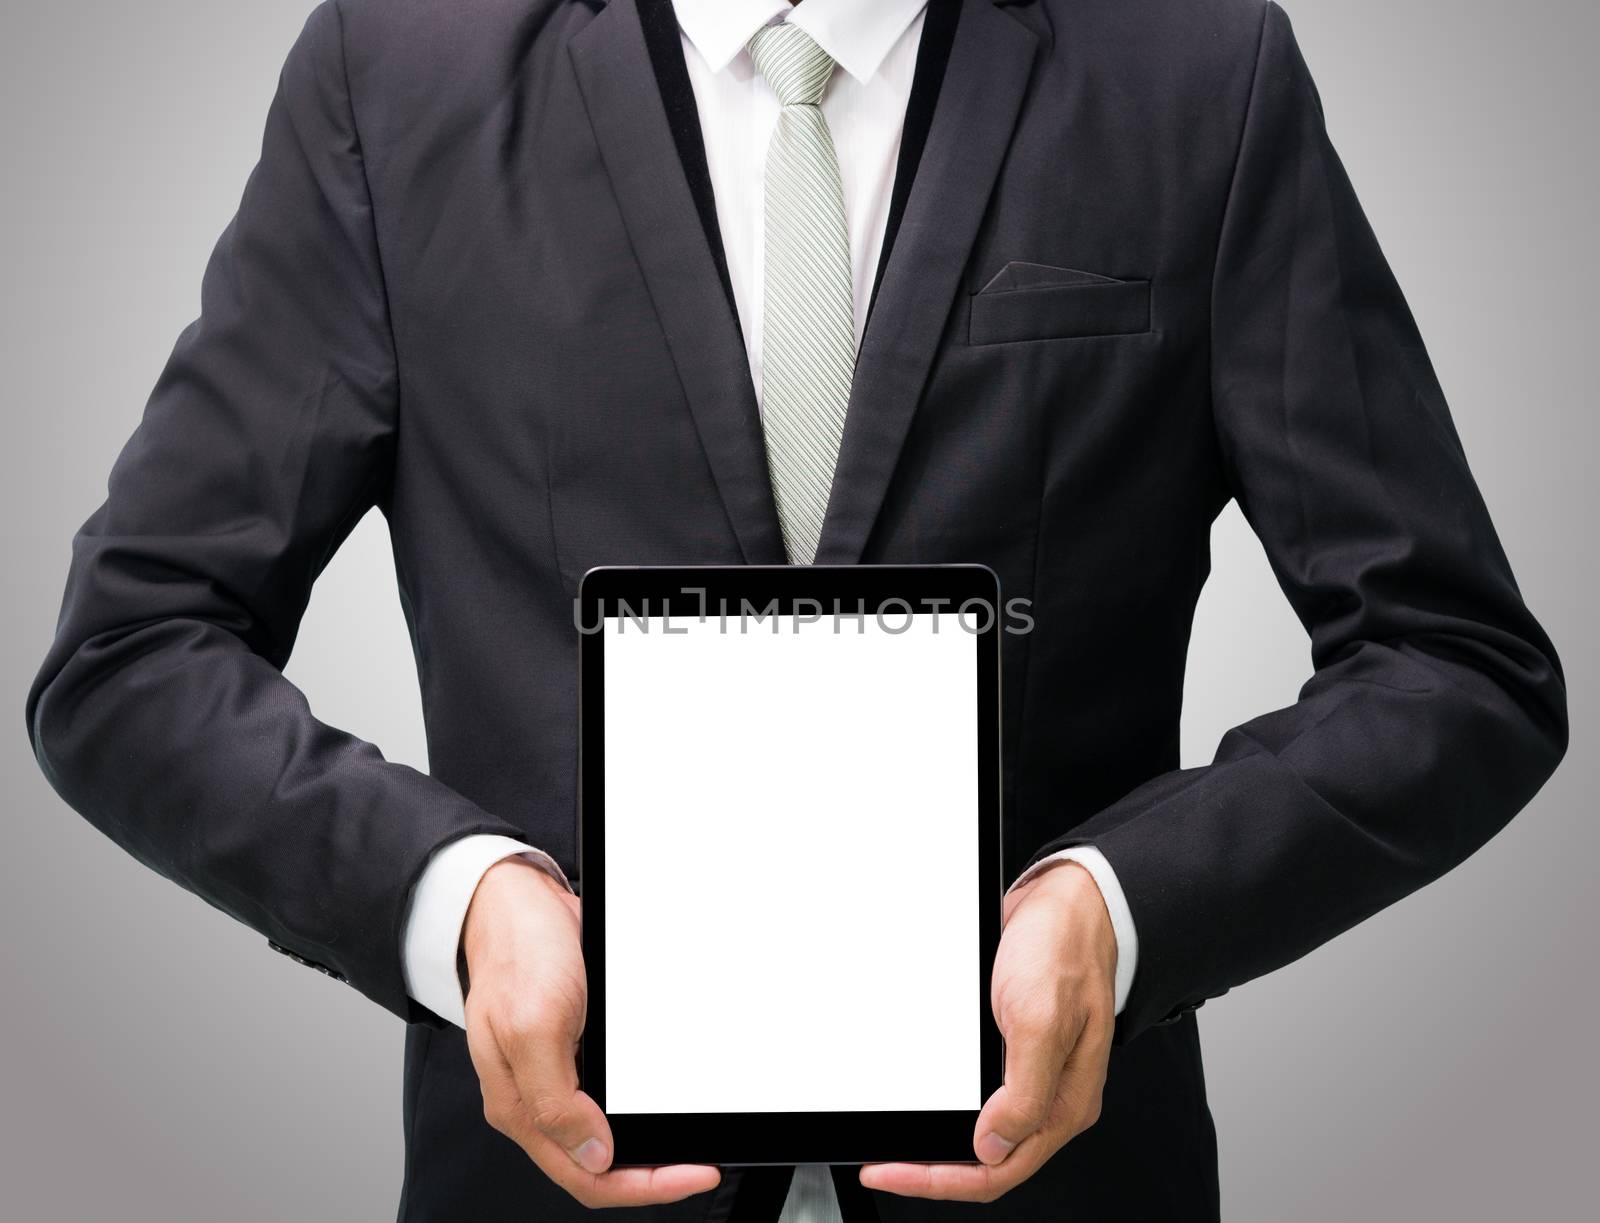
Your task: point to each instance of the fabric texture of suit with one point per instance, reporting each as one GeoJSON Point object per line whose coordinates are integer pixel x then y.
{"type": "Point", "coordinates": [469, 284]}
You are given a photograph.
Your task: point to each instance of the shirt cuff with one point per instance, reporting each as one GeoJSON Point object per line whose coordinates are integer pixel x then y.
{"type": "Point", "coordinates": [1122, 929]}
{"type": "Point", "coordinates": [439, 902]}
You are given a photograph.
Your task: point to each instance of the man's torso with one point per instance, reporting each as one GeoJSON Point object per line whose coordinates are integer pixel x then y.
{"type": "Point", "coordinates": [574, 391]}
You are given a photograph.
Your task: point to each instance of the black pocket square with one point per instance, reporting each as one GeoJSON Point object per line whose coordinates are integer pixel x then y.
{"type": "Point", "coordinates": [1033, 301]}
{"type": "Point", "coordinates": [1018, 275]}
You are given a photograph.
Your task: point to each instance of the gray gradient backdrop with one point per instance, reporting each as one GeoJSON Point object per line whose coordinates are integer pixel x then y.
{"type": "Point", "coordinates": [157, 1062]}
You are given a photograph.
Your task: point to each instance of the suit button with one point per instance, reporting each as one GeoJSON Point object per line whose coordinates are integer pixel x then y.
{"type": "Point", "coordinates": [1180, 1013]}
{"type": "Point", "coordinates": [300, 959]}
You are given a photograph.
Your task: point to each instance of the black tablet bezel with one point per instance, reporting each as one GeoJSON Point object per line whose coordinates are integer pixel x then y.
{"type": "Point", "coordinates": [688, 591]}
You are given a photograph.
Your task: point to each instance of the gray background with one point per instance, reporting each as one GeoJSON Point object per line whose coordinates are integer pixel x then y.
{"type": "Point", "coordinates": [157, 1062]}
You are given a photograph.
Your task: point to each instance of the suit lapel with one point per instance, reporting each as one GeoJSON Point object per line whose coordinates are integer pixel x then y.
{"type": "Point", "coordinates": [636, 144]}
{"type": "Point", "coordinates": [973, 119]}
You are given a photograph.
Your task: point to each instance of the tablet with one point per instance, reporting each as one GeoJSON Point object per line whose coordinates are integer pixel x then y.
{"type": "Point", "coordinates": [789, 858]}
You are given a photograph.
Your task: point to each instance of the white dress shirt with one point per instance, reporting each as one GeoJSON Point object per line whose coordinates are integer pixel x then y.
{"type": "Point", "coordinates": [875, 45]}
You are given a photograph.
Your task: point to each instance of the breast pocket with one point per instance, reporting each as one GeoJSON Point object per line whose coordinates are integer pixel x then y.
{"type": "Point", "coordinates": [1029, 301]}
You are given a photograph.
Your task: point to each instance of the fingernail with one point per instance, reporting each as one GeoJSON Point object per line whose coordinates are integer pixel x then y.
{"type": "Point", "coordinates": [992, 1148]}
{"type": "Point", "coordinates": [591, 1156]}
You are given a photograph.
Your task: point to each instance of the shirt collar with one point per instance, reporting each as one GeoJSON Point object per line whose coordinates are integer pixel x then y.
{"type": "Point", "coordinates": [857, 33]}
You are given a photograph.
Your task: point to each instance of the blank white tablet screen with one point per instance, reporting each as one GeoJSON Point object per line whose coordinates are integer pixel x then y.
{"type": "Point", "coordinates": [791, 850]}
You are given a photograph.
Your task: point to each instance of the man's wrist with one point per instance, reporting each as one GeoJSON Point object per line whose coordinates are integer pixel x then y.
{"type": "Point", "coordinates": [430, 949]}
{"type": "Point", "coordinates": [1070, 885]}
{"type": "Point", "coordinates": [1127, 936]}
{"type": "Point", "coordinates": [513, 871]}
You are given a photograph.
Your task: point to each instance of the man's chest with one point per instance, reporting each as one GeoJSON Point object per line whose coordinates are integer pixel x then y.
{"type": "Point", "coordinates": [565, 323]}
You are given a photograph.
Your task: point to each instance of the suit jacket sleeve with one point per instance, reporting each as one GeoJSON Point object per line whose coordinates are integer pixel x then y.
{"type": "Point", "coordinates": [161, 712]}
{"type": "Point", "coordinates": [1437, 706]}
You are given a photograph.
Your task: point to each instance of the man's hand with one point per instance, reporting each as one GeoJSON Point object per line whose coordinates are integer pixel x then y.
{"type": "Point", "coordinates": [1053, 997]}
{"type": "Point", "coordinates": [526, 1001]}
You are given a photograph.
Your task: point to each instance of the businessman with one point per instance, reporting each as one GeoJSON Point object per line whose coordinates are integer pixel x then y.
{"type": "Point", "coordinates": [559, 283]}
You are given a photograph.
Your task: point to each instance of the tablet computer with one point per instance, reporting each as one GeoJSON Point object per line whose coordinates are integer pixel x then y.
{"type": "Point", "coordinates": [789, 858]}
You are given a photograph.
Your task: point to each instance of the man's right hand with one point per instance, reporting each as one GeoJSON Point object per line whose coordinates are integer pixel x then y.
{"type": "Point", "coordinates": [526, 1000]}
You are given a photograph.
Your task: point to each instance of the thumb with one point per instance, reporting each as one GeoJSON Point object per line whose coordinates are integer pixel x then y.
{"type": "Point", "coordinates": [1036, 1053]}
{"type": "Point", "coordinates": [541, 1061]}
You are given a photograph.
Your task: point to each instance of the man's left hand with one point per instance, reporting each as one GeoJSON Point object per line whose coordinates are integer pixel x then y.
{"type": "Point", "coordinates": [1053, 997]}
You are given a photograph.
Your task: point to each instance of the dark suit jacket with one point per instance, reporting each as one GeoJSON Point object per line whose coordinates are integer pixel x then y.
{"type": "Point", "coordinates": [469, 283]}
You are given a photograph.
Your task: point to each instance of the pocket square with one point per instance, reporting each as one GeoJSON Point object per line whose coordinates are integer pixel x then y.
{"type": "Point", "coordinates": [1021, 275]}
{"type": "Point", "coordinates": [1059, 308]}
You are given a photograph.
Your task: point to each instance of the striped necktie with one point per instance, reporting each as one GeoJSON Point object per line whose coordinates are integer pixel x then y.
{"type": "Point", "coordinates": [808, 332]}
{"type": "Point", "coordinates": [808, 350]}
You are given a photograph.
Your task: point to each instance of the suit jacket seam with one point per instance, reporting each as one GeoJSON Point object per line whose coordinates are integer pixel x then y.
{"type": "Point", "coordinates": [1222, 227]}
{"type": "Point", "coordinates": [410, 1146]}
{"type": "Point", "coordinates": [372, 222]}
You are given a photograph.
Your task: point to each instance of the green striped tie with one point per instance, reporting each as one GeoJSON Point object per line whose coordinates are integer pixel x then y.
{"type": "Point", "coordinates": [808, 341]}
